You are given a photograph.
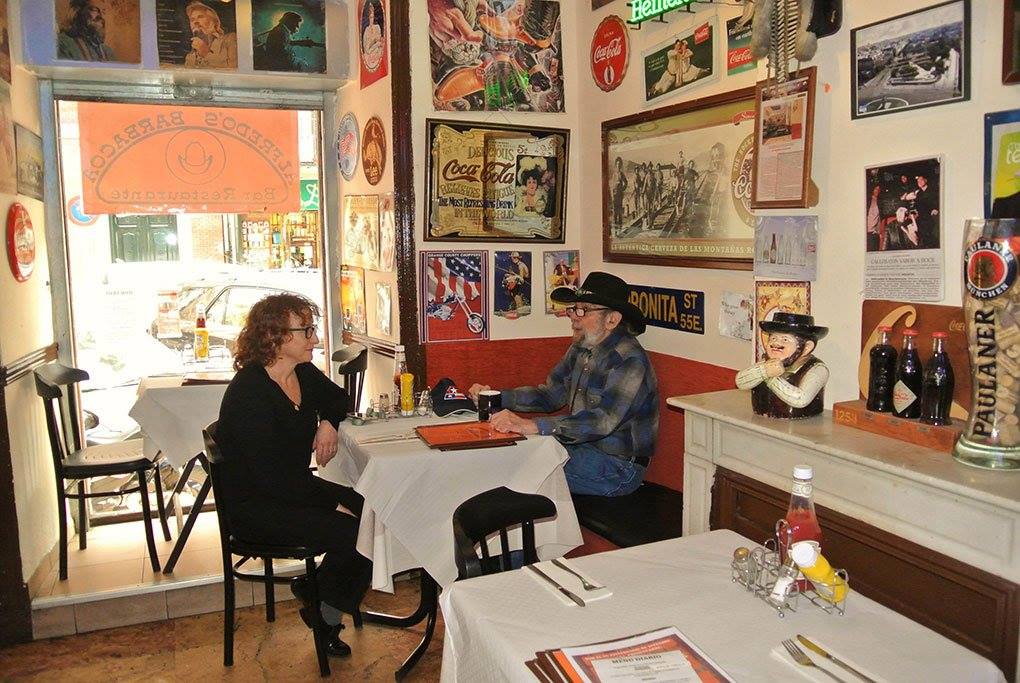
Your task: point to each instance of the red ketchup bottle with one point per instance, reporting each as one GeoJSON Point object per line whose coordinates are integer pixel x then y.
{"type": "Point", "coordinates": [800, 523]}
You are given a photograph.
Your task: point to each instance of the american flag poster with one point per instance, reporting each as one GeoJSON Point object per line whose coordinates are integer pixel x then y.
{"type": "Point", "coordinates": [453, 296]}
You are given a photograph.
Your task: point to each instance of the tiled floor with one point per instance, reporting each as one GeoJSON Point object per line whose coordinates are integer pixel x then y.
{"type": "Point", "coordinates": [190, 648]}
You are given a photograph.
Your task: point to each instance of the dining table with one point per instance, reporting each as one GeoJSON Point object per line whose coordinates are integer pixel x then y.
{"type": "Point", "coordinates": [411, 492]}
{"type": "Point", "coordinates": [495, 624]}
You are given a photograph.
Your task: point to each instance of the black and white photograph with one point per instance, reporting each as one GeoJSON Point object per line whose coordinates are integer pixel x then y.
{"type": "Point", "coordinates": [903, 228]}
{"type": "Point", "coordinates": [30, 162]}
{"type": "Point", "coordinates": [914, 60]}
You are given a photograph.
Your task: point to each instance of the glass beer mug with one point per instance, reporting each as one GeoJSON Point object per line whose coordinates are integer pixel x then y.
{"type": "Point", "coordinates": [991, 310]}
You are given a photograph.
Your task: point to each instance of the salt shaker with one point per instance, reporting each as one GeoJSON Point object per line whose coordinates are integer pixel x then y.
{"type": "Point", "coordinates": [784, 584]}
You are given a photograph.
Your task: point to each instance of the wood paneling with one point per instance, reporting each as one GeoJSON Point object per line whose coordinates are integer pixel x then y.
{"type": "Point", "coordinates": [977, 609]}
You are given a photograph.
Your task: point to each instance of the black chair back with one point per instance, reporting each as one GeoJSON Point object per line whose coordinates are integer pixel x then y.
{"type": "Point", "coordinates": [352, 374]}
{"type": "Point", "coordinates": [492, 511]}
{"type": "Point", "coordinates": [214, 457]}
{"type": "Point", "coordinates": [55, 384]}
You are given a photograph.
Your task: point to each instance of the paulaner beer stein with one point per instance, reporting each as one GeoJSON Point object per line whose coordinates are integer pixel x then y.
{"type": "Point", "coordinates": [991, 306]}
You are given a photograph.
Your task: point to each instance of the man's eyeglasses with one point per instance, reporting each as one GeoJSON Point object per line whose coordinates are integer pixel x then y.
{"type": "Point", "coordinates": [580, 312]}
{"type": "Point", "coordinates": [309, 330]}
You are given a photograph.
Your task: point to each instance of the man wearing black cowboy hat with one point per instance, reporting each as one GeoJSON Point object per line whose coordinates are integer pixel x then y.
{"type": "Point", "coordinates": [790, 382]}
{"type": "Point", "coordinates": [607, 383]}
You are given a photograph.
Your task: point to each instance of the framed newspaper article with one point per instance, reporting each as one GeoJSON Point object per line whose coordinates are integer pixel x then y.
{"type": "Point", "coordinates": [676, 184]}
{"type": "Point", "coordinates": [783, 134]}
{"type": "Point", "coordinates": [495, 183]}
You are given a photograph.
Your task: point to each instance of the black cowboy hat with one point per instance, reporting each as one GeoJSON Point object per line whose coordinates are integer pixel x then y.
{"type": "Point", "coordinates": [794, 323]}
{"type": "Point", "coordinates": [826, 17]}
{"type": "Point", "coordinates": [606, 290]}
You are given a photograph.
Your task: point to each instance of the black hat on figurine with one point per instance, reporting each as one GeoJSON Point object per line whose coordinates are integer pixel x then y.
{"type": "Point", "coordinates": [794, 323]}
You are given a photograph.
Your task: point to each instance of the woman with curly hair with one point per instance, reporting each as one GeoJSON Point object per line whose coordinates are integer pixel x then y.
{"type": "Point", "coordinates": [276, 411]}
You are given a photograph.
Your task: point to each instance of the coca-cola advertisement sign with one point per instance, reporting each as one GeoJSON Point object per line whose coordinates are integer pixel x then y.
{"type": "Point", "coordinates": [609, 53]}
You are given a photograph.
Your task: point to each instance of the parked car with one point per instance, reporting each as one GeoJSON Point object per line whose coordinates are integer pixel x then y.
{"type": "Point", "coordinates": [227, 302]}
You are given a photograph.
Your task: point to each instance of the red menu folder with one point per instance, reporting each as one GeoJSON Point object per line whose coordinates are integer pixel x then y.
{"type": "Point", "coordinates": [464, 435]}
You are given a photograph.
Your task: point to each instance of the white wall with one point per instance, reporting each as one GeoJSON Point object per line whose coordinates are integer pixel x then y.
{"type": "Point", "coordinates": [26, 324]}
{"type": "Point", "coordinates": [842, 148]}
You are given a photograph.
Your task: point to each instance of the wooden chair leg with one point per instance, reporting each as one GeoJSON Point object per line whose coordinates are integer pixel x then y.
{"type": "Point", "coordinates": [62, 517]}
{"type": "Point", "coordinates": [267, 562]}
{"type": "Point", "coordinates": [228, 612]}
{"type": "Point", "coordinates": [319, 632]}
{"type": "Point", "coordinates": [150, 540]}
{"type": "Point", "coordinates": [83, 517]}
{"type": "Point", "coordinates": [160, 503]}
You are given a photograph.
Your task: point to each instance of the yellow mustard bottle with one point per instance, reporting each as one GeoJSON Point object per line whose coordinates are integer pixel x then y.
{"type": "Point", "coordinates": [201, 337]}
{"type": "Point", "coordinates": [406, 394]}
{"type": "Point", "coordinates": [829, 585]}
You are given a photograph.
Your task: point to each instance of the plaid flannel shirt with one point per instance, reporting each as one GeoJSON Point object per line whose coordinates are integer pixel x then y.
{"type": "Point", "coordinates": [611, 392]}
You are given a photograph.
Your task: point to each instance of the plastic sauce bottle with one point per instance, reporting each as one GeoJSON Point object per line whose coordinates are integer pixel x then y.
{"type": "Point", "coordinates": [406, 394]}
{"type": "Point", "coordinates": [800, 523]}
{"type": "Point", "coordinates": [829, 585]}
{"type": "Point", "coordinates": [201, 337]}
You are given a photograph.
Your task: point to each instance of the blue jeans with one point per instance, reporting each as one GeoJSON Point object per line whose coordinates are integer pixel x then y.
{"type": "Point", "coordinates": [592, 472]}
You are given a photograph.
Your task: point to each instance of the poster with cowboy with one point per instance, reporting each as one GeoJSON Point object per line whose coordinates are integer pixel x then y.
{"type": "Point", "coordinates": [512, 291]}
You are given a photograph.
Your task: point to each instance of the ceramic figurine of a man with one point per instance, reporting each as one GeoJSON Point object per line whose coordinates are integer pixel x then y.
{"type": "Point", "coordinates": [790, 382]}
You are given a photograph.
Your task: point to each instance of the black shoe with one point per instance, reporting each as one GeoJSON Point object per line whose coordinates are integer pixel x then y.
{"type": "Point", "coordinates": [334, 646]}
{"type": "Point", "coordinates": [299, 587]}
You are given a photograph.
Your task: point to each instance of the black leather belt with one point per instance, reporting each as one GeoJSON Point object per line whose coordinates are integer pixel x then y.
{"type": "Point", "coordinates": [641, 460]}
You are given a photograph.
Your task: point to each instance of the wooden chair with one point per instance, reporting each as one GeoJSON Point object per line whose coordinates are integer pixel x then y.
{"type": "Point", "coordinates": [75, 462]}
{"type": "Point", "coordinates": [352, 374]}
{"type": "Point", "coordinates": [492, 511]}
{"type": "Point", "coordinates": [231, 545]}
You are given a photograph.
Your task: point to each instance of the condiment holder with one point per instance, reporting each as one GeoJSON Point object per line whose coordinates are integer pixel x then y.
{"type": "Point", "coordinates": [759, 571]}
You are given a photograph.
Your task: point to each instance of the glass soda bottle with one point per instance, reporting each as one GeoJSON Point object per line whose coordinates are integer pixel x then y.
{"type": "Point", "coordinates": [399, 368]}
{"type": "Point", "coordinates": [882, 373]}
{"type": "Point", "coordinates": [201, 337]}
{"type": "Point", "coordinates": [800, 522]}
{"type": "Point", "coordinates": [937, 388]}
{"type": "Point", "coordinates": [909, 379]}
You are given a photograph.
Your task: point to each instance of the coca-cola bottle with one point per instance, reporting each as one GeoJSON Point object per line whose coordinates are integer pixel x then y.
{"type": "Point", "coordinates": [909, 379]}
{"type": "Point", "coordinates": [800, 522]}
{"type": "Point", "coordinates": [882, 373]}
{"type": "Point", "coordinates": [937, 388]}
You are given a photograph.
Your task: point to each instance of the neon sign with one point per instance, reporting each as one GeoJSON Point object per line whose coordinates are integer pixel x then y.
{"type": "Point", "coordinates": [643, 10]}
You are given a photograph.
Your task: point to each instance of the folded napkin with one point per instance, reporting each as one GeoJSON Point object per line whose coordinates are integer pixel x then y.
{"type": "Point", "coordinates": [811, 673]}
{"type": "Point", "coordinates": [570, 582]}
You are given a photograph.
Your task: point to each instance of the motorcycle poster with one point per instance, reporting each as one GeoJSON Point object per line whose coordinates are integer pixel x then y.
{"type": "Point", "coordinates": [454, 296]}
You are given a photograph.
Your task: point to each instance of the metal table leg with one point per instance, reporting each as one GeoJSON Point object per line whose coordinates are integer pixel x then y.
{"type": "Point", "coordinates": [428, 606]}
{"type": "Point", "coordinates": [196, 509]}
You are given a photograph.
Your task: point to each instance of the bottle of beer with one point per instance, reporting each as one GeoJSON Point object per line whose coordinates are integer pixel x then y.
{"type": "Point", "coordinates": [882, 373]}
{"type": "Point", "coordinates": [909, 379]}
{"type": "Point", "coordinates": [937, 389]}
{"type": "Point", "coordinates": [201, 337]}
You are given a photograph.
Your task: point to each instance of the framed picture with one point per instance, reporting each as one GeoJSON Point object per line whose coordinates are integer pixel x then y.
{"type": "Point", "coordinates": [676, 184]}
{"type": "Point", "coordinates": [561, 269]}
{"type": "Point", "coordinates": [495, 183]}
{"type": "Point", "coordinates": [453, 296]}
{"type": "Point", "coordinates": [1011, 41]}
{"type": "Point", "coordinates": [360, 231]}
{"type": "Point", "coordinates": [352, 299]}
{"type": "Point", "coordinates": [685, 60]}
{"type": "Point", "coordinates": [213, 46]}
{"type": "Point", "coordinates": [783, 134]}
{"type": "Point", "coordinates": [92, 32]}
{"type": "Point", "coordinates": [30, 162]}
{"type": "Point", "coordinates": [289, 35]}
{"type": "Point", "coordinates": [1002, 164]}
{"type": "Point", "coordinates": [918, 59]}
{"type": "Point", "coordinates": [511, 291]}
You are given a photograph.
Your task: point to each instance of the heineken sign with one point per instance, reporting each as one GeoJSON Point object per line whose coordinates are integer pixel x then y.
{"type": "Point", "coordinates": [643, 10]}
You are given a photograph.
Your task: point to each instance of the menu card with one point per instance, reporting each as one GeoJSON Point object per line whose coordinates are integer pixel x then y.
{"type": "Point", "coordinates": [664, 654]}
{"type": "Point", "coordinates": [461, 435]}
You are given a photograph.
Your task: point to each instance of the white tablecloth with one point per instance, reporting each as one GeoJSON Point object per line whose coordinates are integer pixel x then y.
{"type": "Point", "coordinates": [495, 623]}
{"type": "Point", "coordinates": [172, 416]}
{"type": "Point", "coordinates": [411, 492]}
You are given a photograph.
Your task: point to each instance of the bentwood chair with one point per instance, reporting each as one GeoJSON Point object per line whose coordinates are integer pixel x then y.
{"type": "Point", "coordinates": [352, 373]}
{"type": "Point", "coordinates": [231, 544]}
{"type": "Point", "coordinates": [75, 463]}
{"type": "Point", "coordinates": [496, 510]}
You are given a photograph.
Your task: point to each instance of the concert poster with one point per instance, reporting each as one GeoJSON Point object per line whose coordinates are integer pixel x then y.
{"type": "Point", "coordinates": [289, 35]}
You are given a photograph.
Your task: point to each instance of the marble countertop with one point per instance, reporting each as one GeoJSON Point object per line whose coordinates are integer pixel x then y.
{"type": "Point", "coordinates": [924, 465]}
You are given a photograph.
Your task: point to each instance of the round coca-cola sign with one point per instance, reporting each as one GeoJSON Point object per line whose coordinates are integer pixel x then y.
{"type": "Point", "coordinates": [609, 53]}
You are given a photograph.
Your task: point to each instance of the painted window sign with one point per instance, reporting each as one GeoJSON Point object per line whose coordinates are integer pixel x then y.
{"type": "Point", "coordinates": [672, 309]}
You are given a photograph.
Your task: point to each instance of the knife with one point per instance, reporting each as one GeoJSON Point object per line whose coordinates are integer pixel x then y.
{"type": "Point", "coordinates": [835, 660]}
{"type": "Point", "coordinates": [561, 589]}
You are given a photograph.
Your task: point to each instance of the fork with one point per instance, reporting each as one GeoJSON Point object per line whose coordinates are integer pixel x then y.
{"type": "Point", "coordinates": [801, 658]}
{"type": "Point", "coordinates": [588, 585]}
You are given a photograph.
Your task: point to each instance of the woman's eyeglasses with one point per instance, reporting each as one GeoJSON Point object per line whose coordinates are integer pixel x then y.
{"type": "Point", "coordinates": [309, 330]}
{"type": "Point", "coordinates": [580, 312]}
